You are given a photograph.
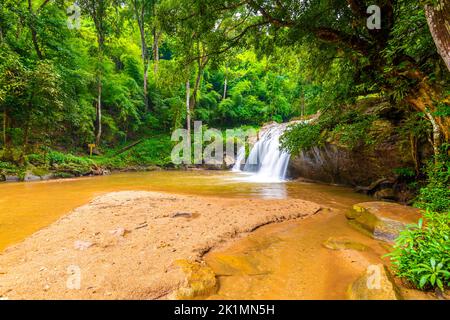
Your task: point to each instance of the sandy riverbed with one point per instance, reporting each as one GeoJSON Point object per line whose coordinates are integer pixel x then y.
{"type": "Point", "coordinates": [124, 244]}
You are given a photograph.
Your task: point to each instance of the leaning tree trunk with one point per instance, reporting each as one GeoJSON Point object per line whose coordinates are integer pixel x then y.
{"type": "Point", "coordinates": [438, 18]}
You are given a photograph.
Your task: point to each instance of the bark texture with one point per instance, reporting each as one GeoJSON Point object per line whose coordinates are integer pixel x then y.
{"type": "Point", "coordinates": [438, 18]}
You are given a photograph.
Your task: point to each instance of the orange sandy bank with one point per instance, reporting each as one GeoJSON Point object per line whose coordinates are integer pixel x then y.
{"type": "Point", "coordinates": [124, 244]}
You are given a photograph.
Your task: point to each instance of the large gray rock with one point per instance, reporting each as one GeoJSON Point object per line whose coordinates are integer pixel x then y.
{"type": "Point", "coordinates": [339, 165]}
{"type": "Point", "coordinates": [31, 177]}
{"type": "Point", "coordinates": [10, 178]}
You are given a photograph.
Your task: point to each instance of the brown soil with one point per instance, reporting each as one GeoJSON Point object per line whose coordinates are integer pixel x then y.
{"type": "Point", "coordinates": [125, 244]}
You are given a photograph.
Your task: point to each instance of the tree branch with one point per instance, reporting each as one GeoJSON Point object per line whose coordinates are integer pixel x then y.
{"type": "Point", "coordinates": [350, 41]}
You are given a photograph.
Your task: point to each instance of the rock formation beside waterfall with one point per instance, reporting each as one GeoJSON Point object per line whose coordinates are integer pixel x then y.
{"type": "Point", "coordinates": [369, 150]}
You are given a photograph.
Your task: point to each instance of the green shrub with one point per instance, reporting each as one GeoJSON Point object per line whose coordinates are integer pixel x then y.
{"type": "Point", "coordinates": [433, 197]}
{"type": "Point", "coordinates": [8, 168]}
{"type": "Point", "coordinates": [36, 159]}
{"type": "Point", "coordinates": [349, 128]}
{"type": "Point", "coordinates": [404, 172]}
{"type": "Point", "coordinates": [353, 135]}
{"type": "Point", "coordinates": [301, 137]}
{"type": "Point", "coordinates": [421, 252]}
{"type": "Point", "coordinates": [436, 195]}
{"type": "Point", "coordinates": [150, 152]}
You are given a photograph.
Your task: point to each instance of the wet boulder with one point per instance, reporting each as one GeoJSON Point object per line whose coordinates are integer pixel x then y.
{"type": "Point", "coordinates": [375, 284]}
{"type": "Point", "coordinates": [199, 280]}
{"type": "Point", "coordinates": [11, 178]}
{"type": "Point", "coordinates": [382, 220]}
{"type": "Point", "coordinates": [31, 177]}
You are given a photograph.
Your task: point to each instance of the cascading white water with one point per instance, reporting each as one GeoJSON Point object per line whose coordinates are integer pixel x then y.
{"type": "Point", "coordinates": [266, 161]}
{"type": "Point", "coordinates": [239, 159]}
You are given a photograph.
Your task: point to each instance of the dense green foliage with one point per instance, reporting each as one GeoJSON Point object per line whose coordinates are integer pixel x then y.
{"type": "Point", "coordinates": [421, 252]}
{"type": "Point", "coordinates": [146, 155]}
{"type": "Point", "coordinates": [349, 128]}
{"type": "Point", "coordinates": [435, 196]}
{"type": "Point", "coordinates": [49, 80]}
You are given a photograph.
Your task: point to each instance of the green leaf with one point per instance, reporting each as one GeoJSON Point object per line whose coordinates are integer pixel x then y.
{"type": "Point", "coordinates": [433, 279]}
{"type": "Point", "coordinates": [423, 280]}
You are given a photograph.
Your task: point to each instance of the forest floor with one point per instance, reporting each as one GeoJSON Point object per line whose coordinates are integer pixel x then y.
{"type": "Point", "coordinates": [125, 245]}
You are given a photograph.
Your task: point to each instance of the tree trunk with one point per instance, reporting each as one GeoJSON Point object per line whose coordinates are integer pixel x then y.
{"type": "Point", "coordinates": [193, 102]}
{"type": "Point", "coordinates": [99, 112]}
{"type": "Point", "coordinates": [302, 112]}
{"type": "Point", "coordinates": [145, 62]}
{"type": "Point", "coordinates": [5, 122]}
{"type": "Point", "coordinates": [146, 101]}
{"type": "Point", "coordinates": [188, 111]}
{"type": "Point", "coordinates": [7, 154]}
{"type": "Point", "coordinates": [423, 100]}
{"type": "Point", "coordinates": [438, 18]}
{"type": "Point", "coordinates": [436, 133]}
{"type": "Point", "coordinates": [32, 27]}
{"type": "Point", "coordinates": [201, 67]}
{"type": "Point", "coordinates": [156, 36]}
{"type": "Point", "coordinates": [225, 83]}
{"type": "Point", "coordinates": [100, 41]}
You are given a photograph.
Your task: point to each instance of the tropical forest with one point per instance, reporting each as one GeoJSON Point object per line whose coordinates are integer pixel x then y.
{"type": "Point", "coordinates": [120, 176]}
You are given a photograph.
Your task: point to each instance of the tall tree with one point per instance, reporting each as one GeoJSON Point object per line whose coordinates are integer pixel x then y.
{"type": "Point", "coordinates": [142, 10]}
{"type": "Point", "coordinates": [33, 16]}
{"type": "Point", "coordinates": [98, 11]}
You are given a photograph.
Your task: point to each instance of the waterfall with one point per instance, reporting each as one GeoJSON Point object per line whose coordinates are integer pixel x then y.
{"type": "Point", "coordinates": [266, 162]}
{"type": "Point", "coordinates": [239, 159]}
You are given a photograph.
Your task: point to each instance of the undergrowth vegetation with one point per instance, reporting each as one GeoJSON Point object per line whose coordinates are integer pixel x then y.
{"type": "Point", "coordinates": [421, 252]}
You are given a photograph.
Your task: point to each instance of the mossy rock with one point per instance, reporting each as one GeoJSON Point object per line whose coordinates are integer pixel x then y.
{"type": "Point", "coordinates": [200, 280]}
{"type": "Point", "coordinates": [375, 284]}
{"type": "Point", "coordinates": [382, 220]}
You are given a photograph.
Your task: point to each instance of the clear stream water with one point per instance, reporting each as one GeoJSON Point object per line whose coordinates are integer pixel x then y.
{"type": "Point", "coordinates": [26, 207]}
